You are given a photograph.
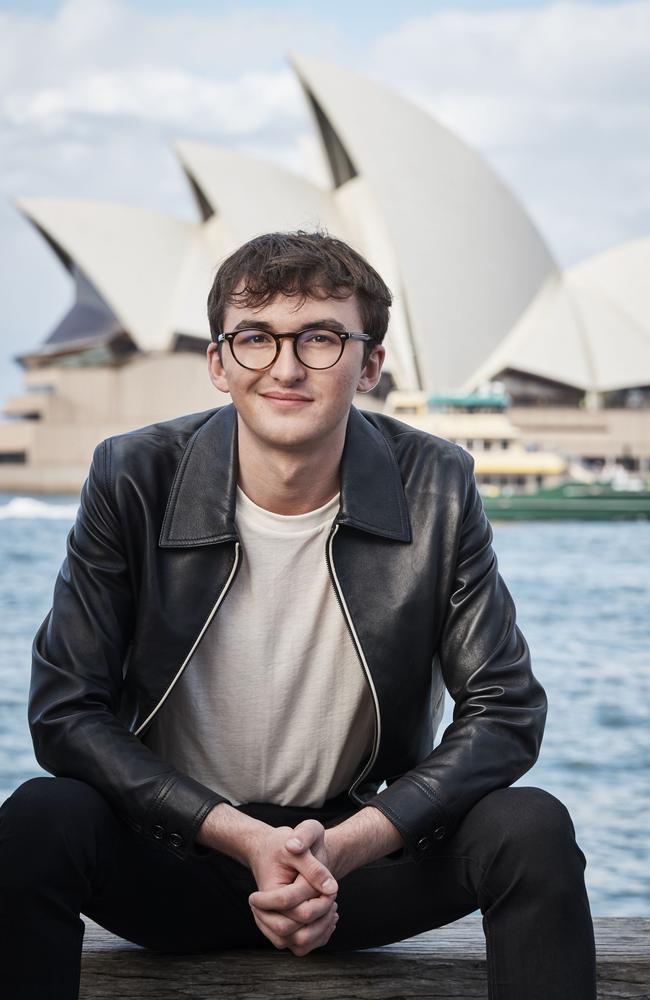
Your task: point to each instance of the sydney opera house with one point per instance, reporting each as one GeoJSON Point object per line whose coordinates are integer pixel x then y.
{"type": "Point", "coordinates": [478, 294]}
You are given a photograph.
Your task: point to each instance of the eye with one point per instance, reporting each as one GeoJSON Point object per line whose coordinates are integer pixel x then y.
{"type": "Point", "coordinates": [320, 338]}
{"type": "Point", "coordinates": [253, 338]}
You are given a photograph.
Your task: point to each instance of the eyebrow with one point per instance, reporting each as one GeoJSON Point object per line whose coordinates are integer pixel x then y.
{"type": "Point", "coordinates": [260, 324]}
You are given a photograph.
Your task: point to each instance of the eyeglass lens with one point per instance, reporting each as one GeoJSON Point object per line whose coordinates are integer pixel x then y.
{"type": "Point", "coordinates": [315, 348]}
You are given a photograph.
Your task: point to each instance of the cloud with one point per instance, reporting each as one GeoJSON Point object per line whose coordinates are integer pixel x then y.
{"type": "Point", "coordinates": [172, 98]}
{"type": "Point", "coordinates": [109, 35]}
{"type": "Point", "coordinates": [554, 51]}
{"type": "Point", "coordinates": [555, 97]}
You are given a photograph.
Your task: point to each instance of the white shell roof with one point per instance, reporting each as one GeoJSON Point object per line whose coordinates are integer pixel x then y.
{"type": "Point", "coordinates": [470, 257]}
{"type": "Point", "coordinates": [622, 274]}
{"type": "Point", "coordinates": [589, 327]}
{"type": "Point", "coordinates": [255, 196]}
{"type": "Point", "coordinates": [133, 257]}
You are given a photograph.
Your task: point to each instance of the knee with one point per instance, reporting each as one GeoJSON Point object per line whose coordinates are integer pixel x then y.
{"type": "Point", "coordinates": [537, 817]}
{"type": "Point", "coordinates": [46, 809]}
{"type": "Point", "coordinates": [47, 833]}
{"type": "Point", "coordinates": [536, 826]}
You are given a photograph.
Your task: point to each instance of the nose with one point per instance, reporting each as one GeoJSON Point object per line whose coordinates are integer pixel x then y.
{"type": "Point", "coordinates": [286, 367]}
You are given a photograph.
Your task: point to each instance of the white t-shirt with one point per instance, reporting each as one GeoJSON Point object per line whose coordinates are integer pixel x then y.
{"type": "Point", "coordinates": [274, 705]}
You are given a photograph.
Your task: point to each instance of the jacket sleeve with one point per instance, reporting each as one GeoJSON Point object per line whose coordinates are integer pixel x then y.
{"type": "Point", "coordinates": [78, 656]}
{"type": "Point", "coordinates": [499, 706]}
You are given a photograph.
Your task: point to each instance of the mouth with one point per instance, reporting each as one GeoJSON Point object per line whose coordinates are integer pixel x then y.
{"type": "Point", "coordinates": [286, 400]}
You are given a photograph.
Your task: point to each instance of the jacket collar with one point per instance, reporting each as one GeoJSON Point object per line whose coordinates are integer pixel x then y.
{"type": "Point", "coordinates": [201, 504]}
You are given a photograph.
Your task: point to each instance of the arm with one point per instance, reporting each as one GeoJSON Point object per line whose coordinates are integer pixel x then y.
{"type": "Point", "coordinates": [363, 837]}
{"type": "Point", "coordinates": [77, 661]}
{"type": "Point", "coordinates": [500, 707]}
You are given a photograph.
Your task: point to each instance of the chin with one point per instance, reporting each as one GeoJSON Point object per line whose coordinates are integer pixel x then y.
{"type": "Point", "coordinates": [276, 424]}
{"type": "Point", "coordinates": [287, 437]}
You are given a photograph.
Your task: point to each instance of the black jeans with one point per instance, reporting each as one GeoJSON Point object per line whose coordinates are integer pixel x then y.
{"type": "Point", "coordinates": [63, 852]}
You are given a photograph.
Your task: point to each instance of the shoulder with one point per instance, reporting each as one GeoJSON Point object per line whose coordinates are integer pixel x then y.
{"type": "Point", "coordinates": [151, 452]}
{"type": "Point", "coordinates": [414, 448]}
{"type": "Point", "coordinates": [166, 436]}
{"type": "Point", "coordinates": [437, 474]}
{"type": "Point", "coordinates": [166, 433]}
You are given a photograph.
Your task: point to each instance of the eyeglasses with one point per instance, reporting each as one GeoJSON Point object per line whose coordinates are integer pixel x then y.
{"type": "Point", "coordinates": [315, 348]}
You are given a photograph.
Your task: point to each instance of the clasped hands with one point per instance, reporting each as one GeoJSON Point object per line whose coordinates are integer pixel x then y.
{"type": "Point", "coordinates": [295, 903]}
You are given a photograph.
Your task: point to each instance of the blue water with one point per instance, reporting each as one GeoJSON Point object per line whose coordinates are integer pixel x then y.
{"type": "Point", "coordinates": [583, 597]}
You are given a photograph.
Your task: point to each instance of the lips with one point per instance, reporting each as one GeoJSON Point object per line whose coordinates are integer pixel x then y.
{"type": "Point", "coordinates": [286, 397]}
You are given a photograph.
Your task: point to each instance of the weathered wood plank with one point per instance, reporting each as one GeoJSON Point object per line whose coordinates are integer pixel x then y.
{"type": "Point", "coordinates": [445, 963]}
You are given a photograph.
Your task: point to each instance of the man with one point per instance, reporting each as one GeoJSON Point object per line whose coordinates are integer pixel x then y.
{"type": "Point", "coordinates": [238, 684]}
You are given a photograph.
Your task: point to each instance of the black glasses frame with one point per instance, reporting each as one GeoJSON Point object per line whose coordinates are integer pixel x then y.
{"type": "Point", "coordinates": [344, 336]}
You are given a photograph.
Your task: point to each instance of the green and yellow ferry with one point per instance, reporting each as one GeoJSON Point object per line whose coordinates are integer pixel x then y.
{"type": "Point", "coordinates": [519, 481]}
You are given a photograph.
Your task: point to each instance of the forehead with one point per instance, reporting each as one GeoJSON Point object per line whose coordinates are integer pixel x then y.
{"type": "Point", "coordinates": [284, 312]}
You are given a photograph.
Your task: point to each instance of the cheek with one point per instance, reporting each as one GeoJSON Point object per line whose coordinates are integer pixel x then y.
{"type": "Point", "coordinates": [239, 382]}
{"type": "Point", "coordinates": [347, 384]}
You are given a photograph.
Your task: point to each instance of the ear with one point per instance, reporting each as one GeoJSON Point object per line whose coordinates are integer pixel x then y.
{"type": "Point", "coordinates": [372, 369]}
{"type": "Point", "coordinates": [216, 370]}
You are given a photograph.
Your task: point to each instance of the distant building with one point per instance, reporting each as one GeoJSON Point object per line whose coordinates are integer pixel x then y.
{"type": "Point", "coordinates": [478, 294]}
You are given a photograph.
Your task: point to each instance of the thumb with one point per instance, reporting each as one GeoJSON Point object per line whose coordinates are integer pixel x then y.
{"type": "Point", "coordinates": [316, 873]}
{"type": "Point", "coordinates": [305, 835]}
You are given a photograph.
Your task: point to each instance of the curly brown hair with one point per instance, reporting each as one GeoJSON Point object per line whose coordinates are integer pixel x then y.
{"type": "Point", "coordinates": [309, 264]}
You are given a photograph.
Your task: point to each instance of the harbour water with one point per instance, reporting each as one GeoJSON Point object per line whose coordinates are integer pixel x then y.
{"type": "Point", "coordinates": [582, 592]}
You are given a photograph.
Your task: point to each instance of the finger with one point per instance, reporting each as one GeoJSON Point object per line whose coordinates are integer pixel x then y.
{"type": "Point", "coordinates": [284, 897]}
{"type": "Point", "coordinates": [312, 909]}
{"type": "Point", "coordinates": [274, 923]}
{"type": "Point", "coordinates": [300, 943]}
{"type": "Point", "coordinates": [315, 936]}
{"type": "Point", "coordinates": [305, 939]}
{"type": "Point", "coordinates": [284, 924]}
{"type": "Point", "coordinates": [275, 939]}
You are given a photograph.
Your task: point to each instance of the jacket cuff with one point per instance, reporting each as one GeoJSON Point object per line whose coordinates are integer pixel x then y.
{"type": "Point", "coordinates": [175, 817]}
{"type": "Point", "coordinates": [417, 813]}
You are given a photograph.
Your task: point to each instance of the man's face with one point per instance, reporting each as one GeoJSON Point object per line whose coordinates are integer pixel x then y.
{"type": "Point", "coordinates": [290, 405]}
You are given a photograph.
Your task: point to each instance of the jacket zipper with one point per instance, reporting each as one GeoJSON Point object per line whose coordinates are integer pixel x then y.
{"type": "Point", "coordinates": [196, 641]}
{"type": "Point", "coordinates": [355, 639]}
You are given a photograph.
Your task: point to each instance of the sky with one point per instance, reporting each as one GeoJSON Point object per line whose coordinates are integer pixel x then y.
{"type": "Point", "coordinates": [554, 95]}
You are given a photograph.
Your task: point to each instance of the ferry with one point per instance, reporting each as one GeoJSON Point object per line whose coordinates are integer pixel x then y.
{"type": "Point", "coordinates": [517, 480]}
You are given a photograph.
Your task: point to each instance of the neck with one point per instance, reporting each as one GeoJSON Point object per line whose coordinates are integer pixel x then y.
{"type": "Point", "coordinates": [291, 480]}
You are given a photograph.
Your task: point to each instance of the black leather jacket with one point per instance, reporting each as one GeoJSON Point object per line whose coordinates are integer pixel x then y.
{"type": "Point", "coordinates": [151, 556]}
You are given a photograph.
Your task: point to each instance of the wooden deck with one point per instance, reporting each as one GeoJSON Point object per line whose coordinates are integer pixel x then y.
{"type": "Point", "coordinates": [445, 963]}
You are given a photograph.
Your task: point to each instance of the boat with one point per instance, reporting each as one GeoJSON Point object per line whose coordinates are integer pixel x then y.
{"type": "Point", "coordinates": [516, 479]}
{"type": "Point", "coordinates": [572, 500]}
